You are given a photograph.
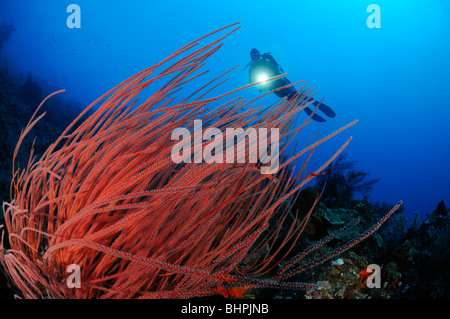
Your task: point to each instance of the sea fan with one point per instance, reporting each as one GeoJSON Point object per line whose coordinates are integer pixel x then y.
{"type": "Point", "coordinates": [107, 197]}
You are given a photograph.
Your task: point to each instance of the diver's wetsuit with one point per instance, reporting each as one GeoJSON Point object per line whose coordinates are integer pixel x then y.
{"type": "Point", "coordinates": [266, 64]}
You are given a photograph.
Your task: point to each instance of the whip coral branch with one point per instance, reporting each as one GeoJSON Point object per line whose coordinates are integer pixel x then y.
{"type": "Point", "coordinates": [106, 196]}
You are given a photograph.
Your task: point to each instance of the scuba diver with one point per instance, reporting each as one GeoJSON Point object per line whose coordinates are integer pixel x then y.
{"type": "Point", "coordinates": [263, 67]}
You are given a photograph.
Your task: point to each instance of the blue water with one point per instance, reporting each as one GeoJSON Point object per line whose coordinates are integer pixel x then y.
{"type": "Point", "coordinates": [394, 79]}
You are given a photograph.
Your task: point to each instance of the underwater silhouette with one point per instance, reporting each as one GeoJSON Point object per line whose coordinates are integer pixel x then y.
{"type": "Point", "coordinates": [264, 66]}
{"type": "Point", "coordinates": [30, 92]}
{"type": "Point", "coordinates": [341, 180]}
{"type": "Point", "coordinates": [5, 33]}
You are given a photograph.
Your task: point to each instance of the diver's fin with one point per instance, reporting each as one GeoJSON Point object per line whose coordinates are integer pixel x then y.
{"type": "Point", "coordinates": [325, 109]}
{"type": "Point", "coordinates": [315, 117]}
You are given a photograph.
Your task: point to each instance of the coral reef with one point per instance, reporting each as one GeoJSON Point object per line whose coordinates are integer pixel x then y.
{"type": "Point", "coordinates": [15, 115]}
{"type": "Point", "coordinates": [345, 277]}
{"type": "Point", "coordinates": [342, 180]}
{"type": "Point", "coordinates": [108, 198]}
{"type": "Point", "coordinates": [414, 262]}
{"type": "Point", "coordinates": [423, 257]}
{"type": "Point", "coordinates": [286, 237]}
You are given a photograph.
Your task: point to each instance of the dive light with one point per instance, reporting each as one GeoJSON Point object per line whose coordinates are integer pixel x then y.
{"type": "Point", "coordinates": [262, 77]}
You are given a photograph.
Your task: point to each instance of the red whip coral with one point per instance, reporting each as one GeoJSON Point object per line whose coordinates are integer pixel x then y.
{"type": "Point", "coordinates": [107, 197]}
